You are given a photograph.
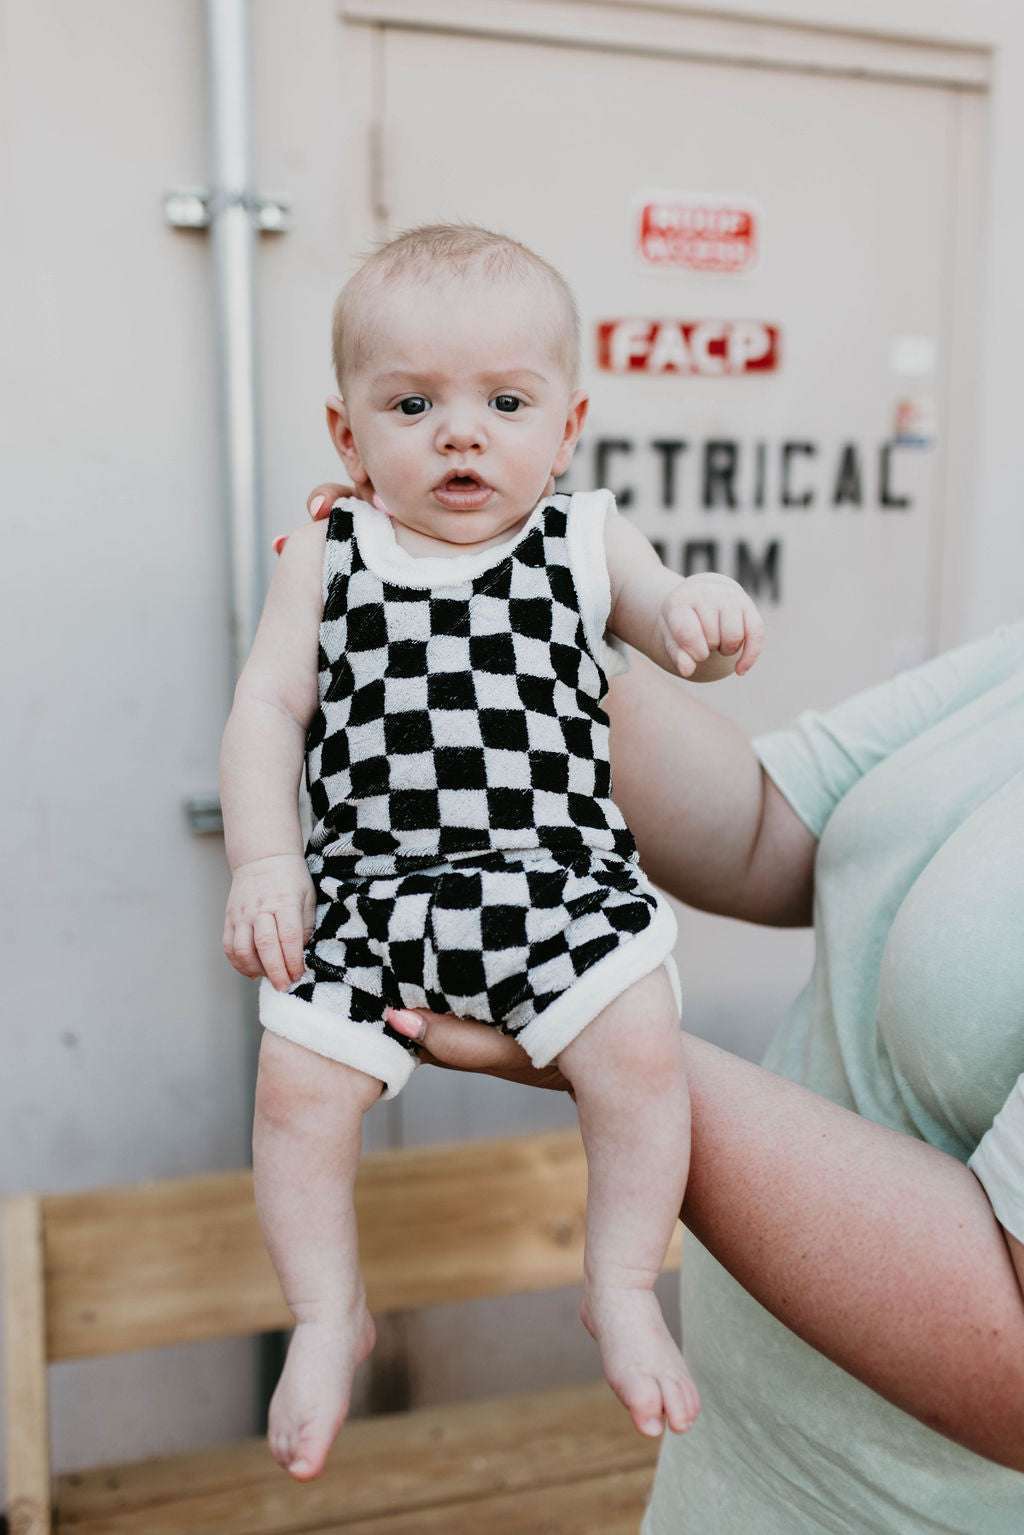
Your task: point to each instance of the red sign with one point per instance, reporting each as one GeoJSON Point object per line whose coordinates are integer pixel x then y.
{"type": "Point", "coordinates": [699, 234]}
{"type": "Point", "coordinates": [700, 348]}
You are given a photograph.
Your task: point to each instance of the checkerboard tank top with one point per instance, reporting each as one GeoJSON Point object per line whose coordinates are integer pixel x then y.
{"type": "Point", "coordinates": [460, 698]}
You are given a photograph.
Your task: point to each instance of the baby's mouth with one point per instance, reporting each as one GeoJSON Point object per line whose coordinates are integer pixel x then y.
{"type": "Point", "coordinates": [462, 490]}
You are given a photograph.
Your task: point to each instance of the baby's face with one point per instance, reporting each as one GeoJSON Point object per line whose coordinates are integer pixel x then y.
{"type": "Point", "coordinates": [461, 410]}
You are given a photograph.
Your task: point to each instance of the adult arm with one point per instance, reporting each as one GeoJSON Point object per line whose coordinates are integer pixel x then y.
{"type": "Point", "coordinates": [998, 1164]}
{"type": "Point", "coordinates": [711, 826]}
{"type": "Point", "coordinates": [878, 1250]}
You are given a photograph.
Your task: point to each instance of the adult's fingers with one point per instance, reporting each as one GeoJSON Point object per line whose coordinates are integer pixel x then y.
{"type": "Point", "coordinates": [322, 497]}
{"type": "Point", "coordinates": [457, 1042]}
{"type": "Point", "coordinates": [464, 1045]}
{"type": "Point", "coordinates": [318, 504]}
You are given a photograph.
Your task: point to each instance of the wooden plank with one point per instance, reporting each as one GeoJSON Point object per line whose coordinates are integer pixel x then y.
{"type": "Point", "coordinates": [408, 1471]}
{"type": "Point", "coordinates": [183, 1259]}
{"type": "Point", "coordinates": [612, 1504]}
{"type": "Point", "coordinates": [27, 1410]}
{"type": "Point", "coordinates": [156, 1263]}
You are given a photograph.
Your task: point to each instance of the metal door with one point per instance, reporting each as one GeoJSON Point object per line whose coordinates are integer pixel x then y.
{"type": "Point", "coordinates": [818, 480]}
{"type": "Point", "coordinates": [819, 483]}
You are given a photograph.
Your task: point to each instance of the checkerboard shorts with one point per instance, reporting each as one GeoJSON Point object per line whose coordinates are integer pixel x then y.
{"type": "Point", "coordinates": [536, 943]}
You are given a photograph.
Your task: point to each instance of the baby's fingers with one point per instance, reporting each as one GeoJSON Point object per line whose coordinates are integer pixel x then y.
{"type": "Point", "coordinates": [268, 947]}
{"type": "Point", "coordinates": [241, 950]}
{"type": "Point", "coordinates": [687, 642]}
{"type": "Point", "coordinates": [292, 938]}
{"type": "Point", "coordinates": [731, 630]}
{"type": "Point", "coordinates": [709, 620]}
{"type": "Point", "coordinates": [753, 643]}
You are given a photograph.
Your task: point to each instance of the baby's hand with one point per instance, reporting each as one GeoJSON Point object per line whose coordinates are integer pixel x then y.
{"type": "Point", "coordinates": [270, 915]}
{"type": "Point", "coordinates": [706, 614]}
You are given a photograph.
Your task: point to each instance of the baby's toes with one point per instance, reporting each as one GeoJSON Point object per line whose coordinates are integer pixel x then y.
{"type": "Point", "coordinates": [279, 1437]}
{"type": "Point", "coordinates": [682, 1403]}
{"type": "Point", "coordinates": [307, 1452]}
{"type": "Point", "coordinates": [640, 1394]}
{"type": "Point", "coordinates": [278, 1447]}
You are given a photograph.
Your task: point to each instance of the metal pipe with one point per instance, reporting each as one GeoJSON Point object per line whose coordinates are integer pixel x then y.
{"type": "Point", "coordinates": [233, 232]}
{"type": "Point", "coordinates": [231, 206]}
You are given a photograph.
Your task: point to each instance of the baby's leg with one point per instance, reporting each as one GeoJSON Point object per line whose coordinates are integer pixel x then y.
{"type": "Point", "coordinates": [626, 1069]}
{"type": "Point", "coordinates": [306, 1143]}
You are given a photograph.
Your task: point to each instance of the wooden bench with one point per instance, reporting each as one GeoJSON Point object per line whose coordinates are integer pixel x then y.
{"type": "Point", "coordinates": [105, 1271]}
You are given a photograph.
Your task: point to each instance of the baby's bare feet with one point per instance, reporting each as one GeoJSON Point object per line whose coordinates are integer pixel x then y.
{"type": "Point", "coordinates": [641, 1362]}
{"type": "Point", "coordinates": [311, 1400]}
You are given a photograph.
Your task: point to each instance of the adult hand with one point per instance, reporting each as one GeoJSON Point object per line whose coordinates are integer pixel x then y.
{"type": "Point", "coordinates": [320, 500]}
{"type": "Point", "coordinates": [462, 1045]}
{"type": "Point", "coordinates": [322, 497]}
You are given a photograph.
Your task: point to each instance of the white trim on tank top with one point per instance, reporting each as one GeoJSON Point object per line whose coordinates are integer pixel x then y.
{"type": "Point", "coordinates": [586, 512]}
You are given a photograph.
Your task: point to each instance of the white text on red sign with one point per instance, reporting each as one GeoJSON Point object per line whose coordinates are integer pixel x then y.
{"type": "Point", "coordinates": [700, 348]}
{"type": "Point", "coordinates": [698, 235]}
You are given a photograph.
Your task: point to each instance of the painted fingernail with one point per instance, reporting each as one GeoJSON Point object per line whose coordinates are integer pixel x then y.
{"type": "Point", "coordinates": [406, 1023]}
{"type": "Point", "coordinates": [315, 505]}
{"type": "Point", "coordinates": [279, 542]}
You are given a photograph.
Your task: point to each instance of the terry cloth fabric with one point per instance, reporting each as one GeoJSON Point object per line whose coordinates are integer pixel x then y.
{"type": "Point", "coordinates": [467, 853]}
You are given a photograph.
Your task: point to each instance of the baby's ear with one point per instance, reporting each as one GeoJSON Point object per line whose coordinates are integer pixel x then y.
{"type": "Point", "coordinates": [340, 430]}
{"type": "Point", "coordinates": [575, 416]}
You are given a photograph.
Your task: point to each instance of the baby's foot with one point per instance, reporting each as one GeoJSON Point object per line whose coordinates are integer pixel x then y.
{"type": "Point", "coordinates": [640, 1359]}
{"type": "Point", "coordinates": [311, 1400]}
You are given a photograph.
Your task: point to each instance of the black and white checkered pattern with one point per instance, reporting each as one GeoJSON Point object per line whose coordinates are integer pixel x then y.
{"type": "Point", "coordinates": [499, 938]}
{"type": "Point", "coordinates": [467, 852]}
{"type": "Point", "coordinates": [459, 719]}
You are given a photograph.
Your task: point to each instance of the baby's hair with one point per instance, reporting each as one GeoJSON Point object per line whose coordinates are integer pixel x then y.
{"type": "Point", "coordinates": [435, 250]}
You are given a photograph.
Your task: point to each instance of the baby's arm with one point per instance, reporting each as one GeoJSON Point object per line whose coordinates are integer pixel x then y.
{"type": "Point", "coordinates": [699, 627]}
{"type": "Point", "coordinates": [271, 906]}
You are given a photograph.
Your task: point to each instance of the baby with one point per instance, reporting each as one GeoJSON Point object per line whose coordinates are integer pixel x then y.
{"type": "Point", "coordinates": [439, 661]}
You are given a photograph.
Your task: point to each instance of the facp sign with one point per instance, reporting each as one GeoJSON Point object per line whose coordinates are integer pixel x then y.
{"type": "Point", "coordinates": [699, 233]}
{"type": "Point", "coordinates": [697, 348]}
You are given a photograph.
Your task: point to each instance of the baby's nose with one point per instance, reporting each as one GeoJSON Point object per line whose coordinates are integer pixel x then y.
{"type": "Point", "coordinates": [461, 431]}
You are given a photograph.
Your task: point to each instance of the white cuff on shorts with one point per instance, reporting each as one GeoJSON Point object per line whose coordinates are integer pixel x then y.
{"type": "Point", "coordinates": [998, 1162]}
{"type": "Point", "coordinates": [558, 1025]}
{"type": "Point", "coordinates": [362, 1045]}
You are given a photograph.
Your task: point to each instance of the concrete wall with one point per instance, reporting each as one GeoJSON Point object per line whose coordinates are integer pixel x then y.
{"type": "Point", "coordinates": [128, 1040]}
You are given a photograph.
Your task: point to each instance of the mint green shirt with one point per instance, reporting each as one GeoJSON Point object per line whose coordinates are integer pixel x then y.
{"type": "Point", "coordinates": [914, 1017]}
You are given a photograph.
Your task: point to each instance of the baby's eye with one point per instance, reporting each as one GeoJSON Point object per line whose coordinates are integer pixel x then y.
{"type": "Point", "coordinates": [507, 403]}
{"type": "Point", "coordinates": [413, 405]}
